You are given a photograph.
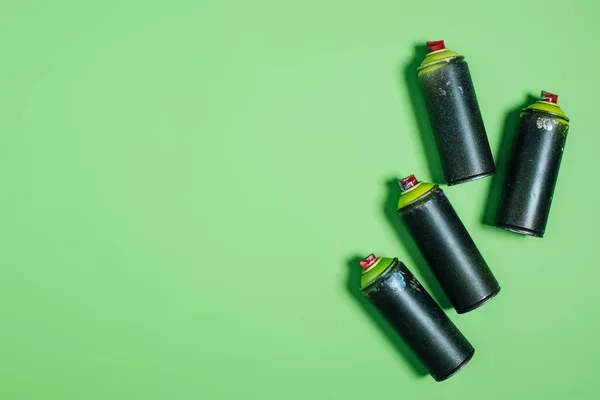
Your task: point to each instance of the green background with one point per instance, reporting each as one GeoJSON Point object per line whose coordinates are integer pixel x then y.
{"type": "Point", "coordinates": [187, 184]}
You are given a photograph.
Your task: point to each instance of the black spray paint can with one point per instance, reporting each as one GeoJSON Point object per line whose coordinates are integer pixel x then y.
{"type": "Point", "coordinates": [446, 245]}
{"type": "Point", "coordinates": [460, 136]}
{"type": "Point", "coordinates": [397, 294]}
{"type": "Point", "coordinates": [533, 170]}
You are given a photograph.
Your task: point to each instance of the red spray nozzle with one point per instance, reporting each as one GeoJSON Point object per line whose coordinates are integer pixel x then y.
{"type": "Point", "coordinates": [367, 262]}
{"type": "Point", "coordinates": [408, 182]}
{"type": "Point", "coordinates": [551, 97]}
{"type": "Point", "coordinates": [436, 45]}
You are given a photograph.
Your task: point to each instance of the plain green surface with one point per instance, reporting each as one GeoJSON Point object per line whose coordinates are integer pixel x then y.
{"type": "Point", "coordinates": [184, 185]}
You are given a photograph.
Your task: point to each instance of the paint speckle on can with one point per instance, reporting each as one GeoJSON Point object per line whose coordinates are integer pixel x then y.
{"type": "Point", "coordinates": [400, 283]}
{"type": "Point", "coordinates": [546, 123]}
{"type": "Point", "coordinates": [414, 284]}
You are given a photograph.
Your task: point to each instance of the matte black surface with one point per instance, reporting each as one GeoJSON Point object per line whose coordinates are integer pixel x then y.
{"type": "Point", "coordinates": [456, 121]}
{"type": "Point", "coordinates": [449, 250]}
{"type": "Point", "coordinates": [532, 173]}
{"type": "Point", "coordinates": [420, 321]}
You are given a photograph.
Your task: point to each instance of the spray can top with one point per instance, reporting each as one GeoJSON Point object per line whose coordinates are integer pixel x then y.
{"type": "Point", "coordinates": [373, 267]}
{"type": "Point", "coordinates": [438, 55]}
{"type": "Point", "coordinates": [412, 190]}
{"type": "Point", "coordinates": [547, 103]}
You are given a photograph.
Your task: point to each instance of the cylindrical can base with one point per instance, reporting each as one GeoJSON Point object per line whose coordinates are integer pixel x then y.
{"type": "Point", "coordinates": [455, 370]}
{"type": "Point", "coordinates": [472, 178]}
{"type": "Point", "coordinates": [480, 302]}
{"type": "Point", "coordinates": [456, 121]}
{"type": "Point", "coordinates": [449, 250]}
{"type": "Point", "coordinates": [521, 230]}
{"type": "Point", "coordinates": [532, 173]}
{"type": "Point", "coordinates": [423, 325]}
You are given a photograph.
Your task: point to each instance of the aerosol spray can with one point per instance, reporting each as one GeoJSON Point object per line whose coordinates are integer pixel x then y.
{"type": "Point", "coordinates": [446, 245]}
{"type": "Point", "coordinates": [533, 170]}
{"type": "Point", "coordinates": [415, 315]}
{"type": "Point", "coordinates": [454, 113]}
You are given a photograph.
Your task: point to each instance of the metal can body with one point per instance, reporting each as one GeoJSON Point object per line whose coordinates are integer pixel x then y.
{"type": "Point", "coordinates": [448, 249]}
{"type": "Point", "coordinates": [532, 173]}
{"type": "Point", "coordinates": [419, 320]}
{"type": "Point", "coordinates": [456, 120]}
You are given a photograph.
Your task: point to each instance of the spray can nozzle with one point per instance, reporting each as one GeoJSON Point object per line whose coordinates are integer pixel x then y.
{"type": "Point", "coordinates": [436, 45]}
{"type": "Point", "coordinates": [549, 97]}
{"type": "Point", "coordinates": [368, 262]}
{"type": "Point", "coordinates": [407, 183]}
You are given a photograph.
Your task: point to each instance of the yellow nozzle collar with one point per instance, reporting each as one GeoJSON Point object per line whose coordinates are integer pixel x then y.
{"type": "Point", "coordinates": [414, 193]}
{"type": "Point", "coordinates": [438, 56]}
{"type": "Point", "coordinates": [548, 107]}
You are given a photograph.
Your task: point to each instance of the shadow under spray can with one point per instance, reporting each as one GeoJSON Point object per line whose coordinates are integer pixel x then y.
{"type": "Point", "coordinates": [533, 171]}
{"type": "Point", "coordinates": [453, 110]}
{"type": "Point", "coordinates": [446, 245]}
{"type": "Point", "coordinates": [397, 294]}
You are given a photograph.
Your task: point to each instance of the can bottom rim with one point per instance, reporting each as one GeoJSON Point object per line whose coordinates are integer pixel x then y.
{"type": "Point", "coordinates": [455, 370]}
{"type": "Point", "coordinates": [472, 178]}
{"type": "Point", "coordinates": [518, 229]}
{"type": "Point", "coordinates": [480, 302]}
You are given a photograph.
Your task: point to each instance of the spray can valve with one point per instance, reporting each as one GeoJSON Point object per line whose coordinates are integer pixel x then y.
{"type": "Point", "coordinates": [368, 262]}
{"type": "Point", "coordinates": [549, 97]}
{"type": "Point", "coordinates": [436, 45]}
{"type": "Point", "coordinates": [408, 183]}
